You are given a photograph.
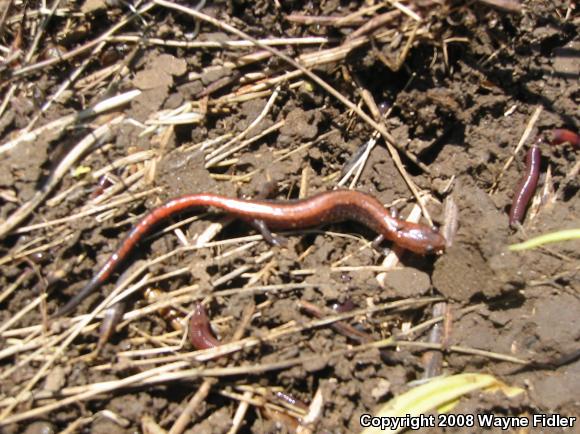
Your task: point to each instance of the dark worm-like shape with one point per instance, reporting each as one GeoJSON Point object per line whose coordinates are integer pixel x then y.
{"type": "Point", "coordinates": [200, 334]}
{"type": "Point", "coordinates": [562, 135]}
{"type": "Point", "coordinates": [527, 186]}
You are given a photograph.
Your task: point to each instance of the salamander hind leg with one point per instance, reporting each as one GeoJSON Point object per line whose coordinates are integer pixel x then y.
{"type": "Point", "coordinates": [376, 245]}
{"type": "Point", "coordinates": [274, 240]}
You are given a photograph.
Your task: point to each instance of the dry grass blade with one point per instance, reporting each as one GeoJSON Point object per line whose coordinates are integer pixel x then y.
{"type": "Point", "coordinates": [90, 392]}
{"type": "Point", "coordinates": [374, 24]}
{"type": "Point", "coordinates": [99, 135]}
{"type": "Point", "coordinates": [506, 5]}
{"type": "Point", "coordinates": [313, 40]}
{"type": "Point", "coordinates": [19, 254]}
{"type": "Point", "coordinates": [176, 371]}
{"type": "Point", "coordinates": [83, 48]}
{"type": "Point", "coordinates": [29, 307]}
{"type": "Point", "coordinates": [240, 413]}
{"type": "Point", "coordinates": [185, 416]}
{"type": "Point", "coordinates": [90, 211]}
{"type": "Point", "coordinates": [526, 134]}
{"type": "Point", "coordinates": [388, 138]}
{"type": "Point", "coordinates": [58, 126]}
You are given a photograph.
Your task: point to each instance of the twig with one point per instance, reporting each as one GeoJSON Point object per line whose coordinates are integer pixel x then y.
{"type": "Point", "coordinates": [529, 127]}
{"type": "Point", "coordinates": [14, 318]}
{"type": "Point", "coordinates": [72, 334]}
{"type": "Point", "coordinates": [185, 417]}
{"type": "Point", "coordinates": [310, 40]}
{"type": "Point", "coordinates": [240, 412]}
{"type": "Point", "coordinates": [219, 158]}
{"type": "Point", "coordinates": [406, 10]}
{"type": "Point", "coordinates": [77, 51]}
{"type": "Point", "coordinates": [7, 98]}
{"type": "Point", "coordinates": [40, 31]}
{"type": "Point", "coordinates": [57, 127]}
{"type": "Point", "coordinates": [464, 350]}
{"type": "Point", "coordinates": [6, 9]}
{"type": "Point", "coordinates": [222, 152]}
{"type": "Point", "coordinates": [374, 23]}
{"type": "Point", "coordinates": [432, 360]}
{"type": "Point", "coordinates": [506, 5]}
{"type": "Point", "coordinates": [88, 212]}
{"type": "Point", "coordinates": [5, 293]}
{"type": "Point", "coordinates": [391, 143]}
{"type": "Point", "coordinates": [97, 136]}
{"type": "Point", "coordinates": [22, 253]}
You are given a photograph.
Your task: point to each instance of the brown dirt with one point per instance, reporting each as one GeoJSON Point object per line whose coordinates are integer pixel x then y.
{"type": "Point", "coordinates": [462, 118]}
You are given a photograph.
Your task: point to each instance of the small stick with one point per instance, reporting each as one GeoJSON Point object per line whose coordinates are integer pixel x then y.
{"type": "Point", "coordinates": [235, 45]}
{"type": "Point", "coordinates": [390, 141]}
{"type": "Point", "coordinates": [219, 154]}
{"type": "Point", "coordinates": [374, 23]}
{"type": "Point", "coordinates": [505, 5]}
{"type": "Point", "coordinates": [97, 136]}
{"type": "Point", "coordinates": [309, 20]}
{"type": "Point", "coordinates": [406, 10]}
{"type": "Point", "coordinates": [219, 158]}
{"type": "Point", "coordinates": [432, 360]}
{"type": "Point", "coordinates": [14, 318]}
{"type": "Point", "coordinates": [7, 98]}
{"type": "Point", "coordinates": [65, 121]}
{"type": "Point", "coordinates": [338, 326]}
{"type": "Point", "coordinates": [240, 412]}
{"type": "Point", "coordinates": [185, 417]}
{"type": "Point", "coordinates": [529, 127]}
{"type": "Point", "coordinates": [450, 220]}
{"type": "Point", "coordinates": [94, 210]}
{"type": "Point", "coordinates": [347, 20]}
{"type": "Point", "coordinates": [80, 50]}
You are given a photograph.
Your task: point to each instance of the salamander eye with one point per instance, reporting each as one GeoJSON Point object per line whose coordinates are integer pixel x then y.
{"type": "Point", "coordinates": [435, 229]}
{"type": "Point", "coordinates": [429, 249]}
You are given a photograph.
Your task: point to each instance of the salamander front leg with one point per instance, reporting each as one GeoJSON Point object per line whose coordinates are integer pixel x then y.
{"type": "Point", "coordinates": [376, 244]}
{"type": "Point", "coordinates": [274, 240]}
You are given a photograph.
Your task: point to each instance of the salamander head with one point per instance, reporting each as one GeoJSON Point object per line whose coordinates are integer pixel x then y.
{"type": "Point", "coordinates": [420, 239]}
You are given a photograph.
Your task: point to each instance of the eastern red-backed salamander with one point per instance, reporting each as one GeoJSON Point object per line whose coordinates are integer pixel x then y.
{"type": "Point", "coordinates": [323, 208]}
